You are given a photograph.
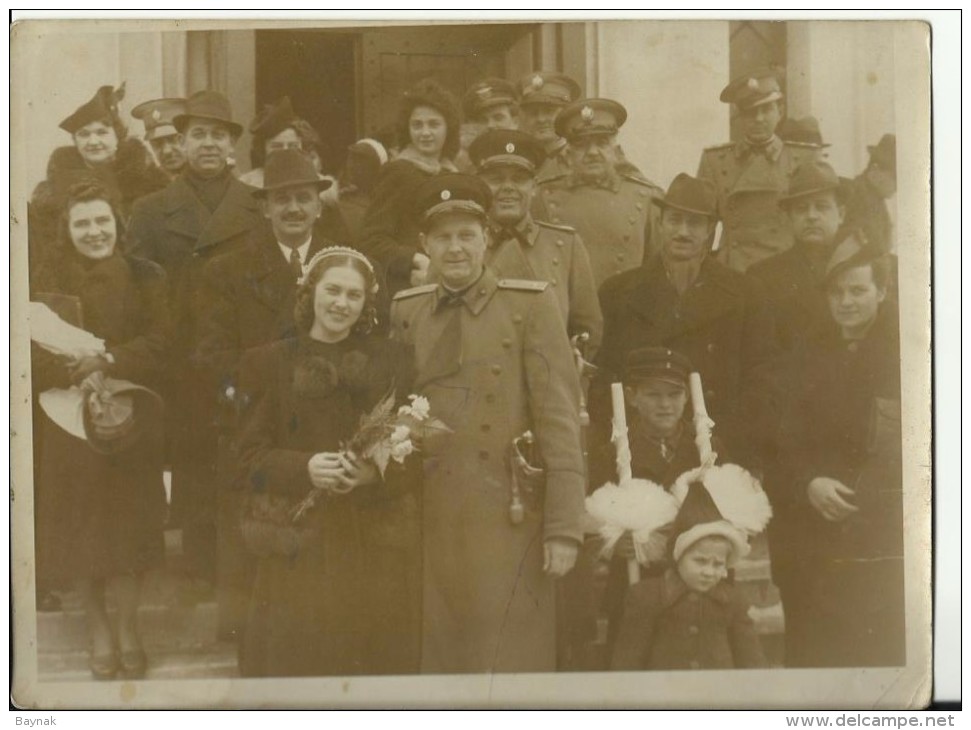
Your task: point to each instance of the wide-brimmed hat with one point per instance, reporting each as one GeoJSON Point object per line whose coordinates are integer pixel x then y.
{"type": "Point", "coordinates": [590, 117]}
{"type": "Point", "coordinates": [546, 87]}
{"type": "Point", "coordinates": [287, 168]}
{"type": "Point", "coordinates": [506, 147]}
{"type": "Point", "coordinates": [811, 178]}
{"type": "Point", "coordinates": [121, 414]}
{"type": "Point", "coordinates": [158, 116]}
{"type": "Point", "coordinates": [884, 152]}
{"type": "Point", "coordinates": [657, 362]}
{"type": "Point", "coordinates": [691, 195]}
{"type": "Point", "coordinates": [103, 105]}
{"type": "Point", "coordinates": [209, 105]}
{"type": "Point", "coordinates": [273, 118]}
{"type": "Point", "coordinates": [801, 131]}
{"type": "Point", "coordinates": [752, 89]}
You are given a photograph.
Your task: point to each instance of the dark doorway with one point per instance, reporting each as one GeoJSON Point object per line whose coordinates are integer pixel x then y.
{"type": "Point", "coordinates": [317, 69]}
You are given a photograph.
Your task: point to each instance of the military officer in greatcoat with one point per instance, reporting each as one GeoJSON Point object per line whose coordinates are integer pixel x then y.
{"type": "Point", "coordinates": [522, 248]}
{"type": "Point", "coordinates": [494, 360]}
{"type": "Point", "coordinates": [610, 209]}
{"type": "Point", "coordinates": [204, 213]}
{"type": "Point", "coordinates": [751, 174]}
{"type": "Point", "coordinates": [492, 103]}
{"type": "Point", "coordinates": [158, 116]}
{"type": "Point", "coordinates": [542, 95]}
{"type": "Point", "coordinates": [683, 299]}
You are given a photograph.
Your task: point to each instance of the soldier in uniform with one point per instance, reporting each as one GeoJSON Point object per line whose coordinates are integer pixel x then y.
{"type": "Point", "coordinates": [685, 300]}
{"type": "Point", "coordinates": [493, 360]}
{"type": "Point", "coordinates": [492, 104]}
{"type": "Point", "coordinates": [157, 115]}
{"type": "Point", "coordinates": [521, 248]}
{"type": "Point", "coordinates": [751, 174]}
{"type": "Point", "coordinates": [610, 209]}
{"type": "Point", "coordinates": [542, 96]}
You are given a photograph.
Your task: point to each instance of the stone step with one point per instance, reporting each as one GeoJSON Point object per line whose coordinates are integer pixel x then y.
{"type": "Point", "coordinates": [217, 661]}
{"type": "Point", "coordinates": [160, 626]}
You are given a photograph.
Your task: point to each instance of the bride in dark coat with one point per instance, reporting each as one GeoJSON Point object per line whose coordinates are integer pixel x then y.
{"type": "Point", "coordinates": [99, 515]}
{"type": "Point", "coordinates": [346, 601]}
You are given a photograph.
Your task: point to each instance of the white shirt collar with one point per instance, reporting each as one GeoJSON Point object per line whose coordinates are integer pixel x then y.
{"type": "Point", "coordinates": [302, 249]}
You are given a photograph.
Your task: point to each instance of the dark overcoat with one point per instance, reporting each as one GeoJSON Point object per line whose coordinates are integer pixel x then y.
{"type": "Point", "coordinates": [101, 515]}
{"type": "Point", "coordinates": [175, 229]}
{"type": "Point", "coordinates": [334, 608]}
{"type": "Point", "coordinates": [748, 184]}
{"type": "Point", "coordinates": [842, 582]}
{"type": "Point", "coordinates": [867, 210]}
{"type": "Point", "coordinates": [668, 626]}
{"type": "Point", "coordinates": [493, 365]}
{"type": "Point", "coordinates": [617, 222]}
{"type": "Point", "coordinates": [719, 324]}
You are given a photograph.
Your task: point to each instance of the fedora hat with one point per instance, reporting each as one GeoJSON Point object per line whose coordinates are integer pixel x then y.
{"type": "Point", "coordinates": [691, 195]}
{"type": "Point", "coordinates": [811, 178]}
{"type": "Point", "coordinates": [120, 414]}
{"type": "Point", "coordinates": [208, 105]}
{"type": "Point", "coordinates": [273, 118]}
{"type": "Point", "coordinates": [884, 152]}
{"type": "Point", "coordinates": [286, 168]}
{"type": "Point", "coordinates": [803, 131]}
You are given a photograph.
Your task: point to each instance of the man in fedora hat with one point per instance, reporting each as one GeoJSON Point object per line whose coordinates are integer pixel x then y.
{"type": "Point", "coordinates": [683, 299]}
{"type": "Point", "coordinates": [813, 205]}
{"type": "Point", "coordinates": [611, 209]}
{"type": "Point", "coordinates": [251, 294]}
{"type": "Point", "coordinates": [868, 193]}
{"type": "Point", "coordinates": [750, 174]}
{"type": "Point", "coordinates": [205, 212]}
{"type": "Point", "coordinates": [158, 116]}
{"type": "Point", "coordinates": [522, 248]}
{"type": "Point", "coordinates": [493, 359]}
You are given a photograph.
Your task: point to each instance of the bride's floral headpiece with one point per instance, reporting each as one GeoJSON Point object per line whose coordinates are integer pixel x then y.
{"type": "Point", "coordinates": [338, 251]}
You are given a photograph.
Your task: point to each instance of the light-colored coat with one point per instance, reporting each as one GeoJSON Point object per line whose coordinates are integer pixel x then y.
{"type": "Point", "coordinates": [487, 605]}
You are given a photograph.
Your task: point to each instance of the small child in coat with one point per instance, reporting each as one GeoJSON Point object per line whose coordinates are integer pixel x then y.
{"type": "Point", "coordinates": [691, 617]}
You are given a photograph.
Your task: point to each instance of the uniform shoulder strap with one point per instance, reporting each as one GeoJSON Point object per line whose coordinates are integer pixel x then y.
{"type": "Point", "coordinates": [522, 285]}
{"type": "Point", "coordinates": [415, 291]}
{"type": "Point", "coordinates": [556, 226]}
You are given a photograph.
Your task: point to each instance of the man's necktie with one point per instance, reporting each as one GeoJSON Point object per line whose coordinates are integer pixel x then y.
{"type": "Point", "coordinates": [295, 265]}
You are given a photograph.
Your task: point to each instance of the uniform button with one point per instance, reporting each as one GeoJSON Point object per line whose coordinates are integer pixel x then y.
{"type": "Point", "coordinates": [482, 292]}
{"type": "Point", "coordinates": [694, 664]}
{"type": "Point", "coordinates": [626, 236]}
{"type": "Point", "coordinates": [552, 204]}
{"type": "Point", "coordinates": [490, 398]}
{"type": "Point", "coordinates": [693, 630]}
{"type": "Point", "coordinates": [496, 369]}
{"type": "Point", "coordinates": [639, 206]}
{"type": "Point", "coordinates": [486, 428]}
{"type": "Point", "coordinates": [484, 455]}
{"type": "Point", "coordinates": [556, 261]}
{"type": "Point", "coordinates": [620, 257]}
{"type": "Point", "coordinates": [709, 394]}
{"type": "Point", "coordinates": [506, 342]}
{"type": "Point", "coordinates": [553, 282]}
{"type": "Point", "coordinates": [517, 318]}
{"type": "Point", "coordinates": [853, 347]}
{"type": "Point", "coordinates": [711, 347]}
{"type": "Point", "coordinates": [632, 220]}
{"type": "Point", "coordinates": [404, 325]}
{"type": "Point", "coordinates": [559, 242]}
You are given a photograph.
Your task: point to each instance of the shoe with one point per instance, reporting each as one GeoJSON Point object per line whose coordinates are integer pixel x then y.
{"type": "Point", "coordinates": [133, 664]}
{"type": "Point", "coordinates": [104, 667]}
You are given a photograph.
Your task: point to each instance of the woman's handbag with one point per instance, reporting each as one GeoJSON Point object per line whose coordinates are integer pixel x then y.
{"type": "Point", "coordinates": [267, 526]}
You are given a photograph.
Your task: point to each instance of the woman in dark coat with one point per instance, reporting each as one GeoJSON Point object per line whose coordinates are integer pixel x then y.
{"type": "Point", "coordinates": [838, 543]}
{"type": "Point", "coordinates": [101, 150]}
{"type": "Point", "coordinates": [428, 132]}
{"type": "Point", "coordinates": [345, 602]}
{"type": "Point", "coordinates": [99, 516]}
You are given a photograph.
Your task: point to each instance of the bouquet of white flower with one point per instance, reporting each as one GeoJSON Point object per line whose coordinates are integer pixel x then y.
{"type": "Point", "coordinates": [385, 435]}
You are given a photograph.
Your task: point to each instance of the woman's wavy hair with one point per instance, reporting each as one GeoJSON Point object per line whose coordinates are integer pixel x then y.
{"type": "Point", "coordinates": [84, 191]}
{"type": "Point", "coordinates": [303, 309]}
{"type": "Point", "coordinates": [309, 140]}
{"type": "Point", "coordinates": [429, 92]}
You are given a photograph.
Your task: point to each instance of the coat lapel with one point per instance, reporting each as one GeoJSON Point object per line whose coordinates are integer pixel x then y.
{"type": "Point", "coordinates": [185, 215]}
{"type": "Point", "coordinates": [234, 216]}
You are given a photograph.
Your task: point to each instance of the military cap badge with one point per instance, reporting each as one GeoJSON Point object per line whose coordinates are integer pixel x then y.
{"type": "Point", "coordinates": [537, 81]}
{"type": "Point", "coordinates": [586, 113]}
{"type": "Point", "coordinates": [156, 114]}
{"type": "Point", "coordinates": [484, 92]}
{"type": "Point", "coordinates": [510, 148]}
{"type": "Point", "coordinates": [752, 84]}
{"type": "Point", "coordinates": [446, 194]}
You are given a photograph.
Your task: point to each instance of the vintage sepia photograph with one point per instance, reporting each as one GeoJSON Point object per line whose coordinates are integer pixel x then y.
{"type": "Point", "coordinates": [561, 363]}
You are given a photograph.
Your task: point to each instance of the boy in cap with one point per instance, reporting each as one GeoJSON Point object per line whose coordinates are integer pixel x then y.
{"type": "Point", "coordinates": [158, 116]}
{"type": "Point", "coordinates": [522, 248]}
{"type": "Point", "coordinates": [749, 175]}
{"type": "Point", "coordinates": [691, 617]}
{"type": "Point", "coordinates": [610, 208]}
{"type": "Point", "coordinates": [662, 445]}
{"type": "Point", "coordinates": [494, 361]}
